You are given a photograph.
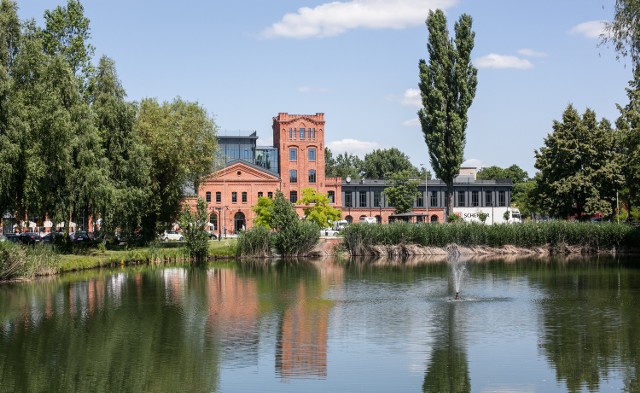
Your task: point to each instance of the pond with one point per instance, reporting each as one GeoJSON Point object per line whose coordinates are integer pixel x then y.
{"type": "Point", "coordinates": [544, 325]}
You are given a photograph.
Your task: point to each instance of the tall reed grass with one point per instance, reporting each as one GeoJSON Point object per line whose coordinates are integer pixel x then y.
{"type": "Point", "coordinates": [18, 261]}
{"type": "Point", "coordinates": [359, 239]}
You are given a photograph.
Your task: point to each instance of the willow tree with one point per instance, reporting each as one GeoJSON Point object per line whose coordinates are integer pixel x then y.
{"type": "Point", "coordinates": [448, 86]}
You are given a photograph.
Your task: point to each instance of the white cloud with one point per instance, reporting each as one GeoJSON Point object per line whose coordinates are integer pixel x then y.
{"type": "Point", "coordinates": [502, 61]}
{"type": "Point", "coordinates": [473, 162]}
{"type": "Point", "coordinates": [336, 17]}
{"type": "Point", "coordinates": [531, 53]}
{"type": "Point", "coordinates": [411, 97]}
{"type": "Point", "coordinates": [352, 146]}
{"type": "Point", "coordinates": [591, 29]}
{"type": "Point", "coordinates": [415, 122]}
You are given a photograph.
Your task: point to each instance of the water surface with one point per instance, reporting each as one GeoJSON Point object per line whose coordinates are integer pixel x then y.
{"type": "Point", "coordinates": [523, 326]}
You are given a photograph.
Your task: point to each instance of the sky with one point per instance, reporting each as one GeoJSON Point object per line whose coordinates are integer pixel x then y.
{"type": "Point", "coordinates": [356, 61]}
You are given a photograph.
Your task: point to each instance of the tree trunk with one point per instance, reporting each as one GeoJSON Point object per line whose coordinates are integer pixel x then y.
{"type": "Point", "coordinates": [448, 202]}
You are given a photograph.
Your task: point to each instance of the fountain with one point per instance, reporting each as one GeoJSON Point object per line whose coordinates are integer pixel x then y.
{"type": "Point", "coordinates": [458, 269]}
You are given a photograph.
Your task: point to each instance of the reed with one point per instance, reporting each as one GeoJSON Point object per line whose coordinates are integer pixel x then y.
{"type": "Point", "coordinates": [359, 239]}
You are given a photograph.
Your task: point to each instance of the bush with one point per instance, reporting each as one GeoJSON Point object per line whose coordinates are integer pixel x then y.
{"type": "Point", "coordinates": [297, 239]}
{"type": "Point", "coordinates": [18, 261]}
{"type": "Point", "coordinates": [255, 242]}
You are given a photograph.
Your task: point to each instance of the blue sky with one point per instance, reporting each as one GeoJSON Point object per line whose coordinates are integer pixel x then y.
{"type": "Point", "coordinates": [357, 62]}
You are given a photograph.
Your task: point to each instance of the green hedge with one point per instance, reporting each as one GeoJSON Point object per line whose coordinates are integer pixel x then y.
{"type": "Point", "coordinates": [359, 238]}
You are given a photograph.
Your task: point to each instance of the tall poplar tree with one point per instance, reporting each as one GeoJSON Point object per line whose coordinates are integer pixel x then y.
{"type": "Point", "coordinates": [448, 86]}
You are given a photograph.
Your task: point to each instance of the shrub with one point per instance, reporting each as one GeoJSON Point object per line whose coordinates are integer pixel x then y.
{"type": "Point", "coordinates": [297, 239]}
{"type": "Point", "coordinates": [255, 242]}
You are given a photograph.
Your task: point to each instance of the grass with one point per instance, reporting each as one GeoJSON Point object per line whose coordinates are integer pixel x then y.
{"type": "Point", "coordinates": [359, 239]}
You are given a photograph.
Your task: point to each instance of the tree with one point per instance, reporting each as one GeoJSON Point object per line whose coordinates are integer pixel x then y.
{"type": "Point", "coordinates": [181, 140]}
{"type": "Point", "coordinates": [194, 226]}
{"type": "Point", "coordinates": [579, 170]}
{"type": "Point", "coordinates": [624, 30]}
{"type": "Point", "coordinates": [447, 85]}
{"type": "Point", "coordinates": [263, 210]}
{"type": "Point", "coordinates": [348, 165]}
{"type": "Point", "coordinates": [129, 164]}
{"type": "Point", "coordinates": [628, 125]}
{"type": "Point", "coordinates": [67, 33]}
{"type": "Point", "coordinates": [402, 192]}
{"type": "Point", "coordinates": [513, 173]}
{"type": "Point", "coordinates": [329, 163]}
{"type": "Point", "coordinates": [318, 208]}
{"type": "Point", "coordinates": [380, 162]}
{"type": "Point", "coordinates": [283, 213]}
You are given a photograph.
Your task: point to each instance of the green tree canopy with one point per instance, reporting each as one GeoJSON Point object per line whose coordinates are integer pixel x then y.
{"type": "Point", "coordinates": [579, 170]}
{"type": "Point", "coordinates": [318, 208]}
{"type": "Point", "coordinates": [514, 173]}
{"type": "Point", "coordinates": [380, 162]}
{"type": "Point", "coordinates": [447, 85]}
{"type": "Point", "coordinates": [628, 125]}
{"type": "Point", "coordinates": [624, 30]}
{"type": "Point", "coordinates": [181, 140]}
{"type": "Point", "coordinates": [402, 191]}
{"type": "Point", "coordinates": [263, 210]}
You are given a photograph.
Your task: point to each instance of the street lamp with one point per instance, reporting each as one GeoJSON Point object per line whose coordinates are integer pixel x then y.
{"type": "Point", "coordinates": [426, 192]}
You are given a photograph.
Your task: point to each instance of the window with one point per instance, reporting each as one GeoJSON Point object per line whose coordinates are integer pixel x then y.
{"type": "Point", "coordinates": [234, 197]}
{"type": "Point", "coordinates": [347, 199]}
{"type": "Point", "coordinates": [293, 154]}
{"type": "Point", "coordinates": [502, 198]}
{"type": "Point", "coordinates": [419, 200]}
{"type": "Point", "coordinates": [270, 195]}
{"type": "Point", "coordinates": [312, 154]}
{"type": "Point", "coordinates": [294, 134]}
{"type": "Point", "coordinates": [363, 199]}
{"type": "Point", "coordinates": [312, 175]}
{"type": "Point", "coordinates": [290, 133]}
{"type": "Point", "coordinates": [293, 176]}
{"type": "Point", "coordinates": [218, 197]}
{"type": "Point", "coordinates": [434, 199]}
{"type": "Point", "coordinates": [475, 199]}
{"type": "Point", "coordinates": [488, 198]}
{"type": "Point", "coordinates": [213, 219]}
{"type": "Point", "coordinates": [244, 197]}
{"type": "Point", "coordinates": [260, 194]}
{"type": "Point", "coordinates": [293, 196]}
{"type": "Point", "coordinates": [302, 134]}
{"type": "Point", "coordinates": [313, 133]}
{"type": "Point", "coordinates": [376, 199]}
{"type": "Point", "coordinates": [332, 197]}
{"type": "Point", "coordinates": [208, 196]}
{"type": "Point", "coordinates": [460, 198]}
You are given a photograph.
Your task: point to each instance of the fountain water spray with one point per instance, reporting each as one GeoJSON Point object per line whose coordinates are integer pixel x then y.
{"type": "Point", "coordinates": [458, 268]}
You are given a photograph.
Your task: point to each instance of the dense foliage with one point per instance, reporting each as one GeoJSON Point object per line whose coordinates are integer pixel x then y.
{"type": "Point", "coordinates": [194, 227]}
{"type": "Point", "coordinates": [402, 191]}
{"type": "Point", "coordinates": [579, 169]}
{"type": "Point", "coordinates": [359, 238]}
{"type": "Point", "coordinates": [20, 262]}
{"type": "Point", "coordinates": [318, 209]}
{"type": "Point", "coordinates": [448, 86]}
{"type": "Point", "coordinates": [72, 146]}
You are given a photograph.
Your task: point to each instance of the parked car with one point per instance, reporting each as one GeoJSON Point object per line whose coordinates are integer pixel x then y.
{"type": "Point", "coordinates": [81, 236]}
{"type": "Point", "coordinates": [328, 232]}
{"type": "Point", "coordinates": [30, 238]}
{"type": "Point", "coordinates": [13, 237]}
{"type": "Point", "coordinates": [171, 235]}
{"type": "Point", "coordinates": [51, 237]}
{"type": "Point", "coordinates": [212, 236]}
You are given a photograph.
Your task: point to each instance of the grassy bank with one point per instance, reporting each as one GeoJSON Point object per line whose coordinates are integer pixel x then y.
{"type": "Point", "coordinates": [360, 239]}
{"type": "Point", "coordinates": [25, 262]}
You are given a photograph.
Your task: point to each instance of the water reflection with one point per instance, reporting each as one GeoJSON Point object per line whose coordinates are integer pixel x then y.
{"type": "Point", "coordinates": [318, 326]}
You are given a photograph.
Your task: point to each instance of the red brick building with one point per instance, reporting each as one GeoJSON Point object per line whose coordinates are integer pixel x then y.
{"type": "Point", "coordinates": [250, 172]}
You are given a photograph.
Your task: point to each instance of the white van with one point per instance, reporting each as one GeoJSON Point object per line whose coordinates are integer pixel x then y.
{"type": "Point", "coordinates": [368, 220]}
{"type": "Point", "coordinates": [340, 225]}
